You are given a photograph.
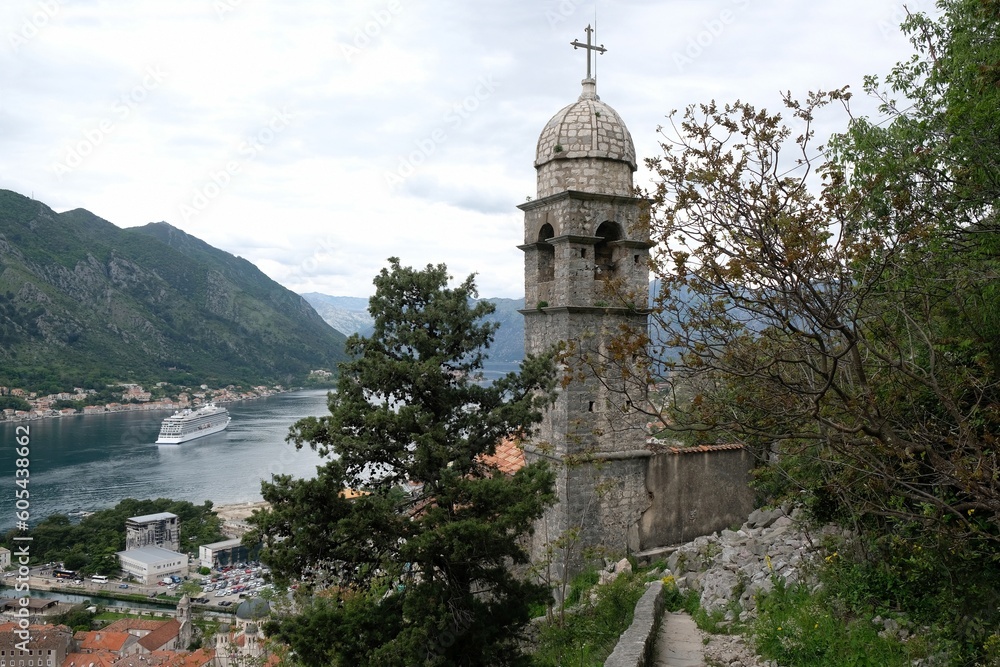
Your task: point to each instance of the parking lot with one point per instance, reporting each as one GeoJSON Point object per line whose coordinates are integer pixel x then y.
{"type": "Point", "coordinates": [221, 589]}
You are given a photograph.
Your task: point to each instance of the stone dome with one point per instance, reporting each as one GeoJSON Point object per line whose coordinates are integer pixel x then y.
{"type": "Point", "coordinates": [253, 609]}
{"type": "Point", "coordinates": [588, 128]}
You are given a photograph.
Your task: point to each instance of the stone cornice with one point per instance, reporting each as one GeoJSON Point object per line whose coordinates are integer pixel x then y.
{"type": "Point", "coordinates": [581, 196]}
{"type": "Point", "coordinates": [618, 310]}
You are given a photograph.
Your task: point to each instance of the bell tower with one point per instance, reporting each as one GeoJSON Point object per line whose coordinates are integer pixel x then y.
{"type": "Point", "coordinates": [586, 249]}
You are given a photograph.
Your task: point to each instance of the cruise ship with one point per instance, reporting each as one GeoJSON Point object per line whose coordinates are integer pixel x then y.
{"type": "Point", "coordinates": [190, 424]}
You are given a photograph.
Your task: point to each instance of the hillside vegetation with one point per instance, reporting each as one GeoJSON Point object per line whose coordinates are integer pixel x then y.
{"type": "Point", "coordinates": [836, 309]}
{"type": "Point", "coordinates": [90, 546]}
{"type": "Point", "coordinates": [83, 302]}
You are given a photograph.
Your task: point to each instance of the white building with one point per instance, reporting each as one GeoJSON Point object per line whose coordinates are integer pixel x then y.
{"type": "Point", "coordinates": [4, 558]}
{"type": "Point", "coordinates": [151, 564]}
{"type": "Point", "coordinates": [226, 552]}
{"type": "Point", "coordinates": [162, 529]}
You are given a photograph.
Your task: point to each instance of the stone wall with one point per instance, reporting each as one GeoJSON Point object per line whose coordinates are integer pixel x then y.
{"type": "Point", "coordinates": [634, 502]}
{"type": "Point", "coordinates": [695, 492]}
{"type": "Point", "coordinates": [636, 646]}
{"type": "Point", "coordinates": [596, 516]}
{"type": "Point", "coordinates": [584, 174]}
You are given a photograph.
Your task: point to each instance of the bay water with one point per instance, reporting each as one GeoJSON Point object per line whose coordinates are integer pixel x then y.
{"type": "Point", "coordinates": [84, 463]}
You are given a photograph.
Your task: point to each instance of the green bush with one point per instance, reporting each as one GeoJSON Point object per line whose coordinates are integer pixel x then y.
{"type": "Point", "coordinates": [796, 627]}
{"type": "Point", "coordinates": [951, 590]}
{"type": "Point", "coordinates": [590, 632]}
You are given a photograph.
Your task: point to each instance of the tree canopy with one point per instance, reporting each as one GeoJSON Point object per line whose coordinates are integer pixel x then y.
{"type": "Point", "coordinates": [91, 545]}
{"type": "Point", "coordinates": [837, 307]}
{"type": "Point", "coordinates": [415, 565]}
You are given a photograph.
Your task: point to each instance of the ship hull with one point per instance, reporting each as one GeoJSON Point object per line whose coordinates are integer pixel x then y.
{"type": "Point", "coordinates": [176, 440]}
{"type": "Point", "coordinates": [190, 424]}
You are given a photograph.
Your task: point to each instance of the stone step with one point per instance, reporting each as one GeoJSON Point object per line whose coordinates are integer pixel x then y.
{"type": "Point", "coordinates": [679, 642]}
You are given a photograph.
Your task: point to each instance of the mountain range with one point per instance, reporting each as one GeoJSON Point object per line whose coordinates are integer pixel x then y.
{"type": "Point", "coordinates": [350, 315]}
{"type": "Point", "coordinates": [84, 302]}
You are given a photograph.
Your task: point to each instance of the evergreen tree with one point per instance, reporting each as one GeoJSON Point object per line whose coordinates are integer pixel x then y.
{"type": "Point", "coordinates": [418, 568]}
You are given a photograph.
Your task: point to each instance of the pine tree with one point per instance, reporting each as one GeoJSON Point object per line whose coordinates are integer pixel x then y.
{"type": "Point", "coordinates": [417, 567]}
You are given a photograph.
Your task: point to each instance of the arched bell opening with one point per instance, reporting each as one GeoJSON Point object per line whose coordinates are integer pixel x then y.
{"type": "Point", "coordinates": [604, 261]}
{"type": "Point", "coordinates": [546, 254]}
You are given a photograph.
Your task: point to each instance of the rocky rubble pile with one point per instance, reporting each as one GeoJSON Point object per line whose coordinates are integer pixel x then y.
{"type": "Point", "coordinates": [730, 568]}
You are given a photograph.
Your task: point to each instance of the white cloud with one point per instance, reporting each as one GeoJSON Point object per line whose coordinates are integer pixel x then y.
{"type": "Point", "coordinates": [454, 94]}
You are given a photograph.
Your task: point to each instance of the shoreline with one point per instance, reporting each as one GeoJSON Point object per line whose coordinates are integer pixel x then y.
{"type": "Point", "coordinates": [238, 512]}
{"type": "Point", "coordinates": [152, 406]}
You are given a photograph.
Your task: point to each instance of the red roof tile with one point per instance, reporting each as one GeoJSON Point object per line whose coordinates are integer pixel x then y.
{"type": "Point", "coordinates": [99, 659]}
{"type": "Point", "coordinates": [199, 658]}
{"type": "Point", "coordinates": [161, 635]}
{"type": "Point", "coordinates": [98, 640]}
{"type": "Point", "coordinates": [508, 457]}
{"type": "Point", "coordinates": [697, 449]}
{"type": "Point", "coordinates": [137, 626]}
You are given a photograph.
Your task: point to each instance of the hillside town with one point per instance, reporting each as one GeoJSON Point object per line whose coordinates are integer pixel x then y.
{"type": "Point", "coordinates": [134, 398]}
{"type": "Point", "coordinates": [151, 564]}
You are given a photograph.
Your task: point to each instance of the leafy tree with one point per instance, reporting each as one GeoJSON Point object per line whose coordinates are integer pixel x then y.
{"type": "Point", "coordinates": [837, 308]}
{"type": "Point", "coordinates": [841, 305]}
{"type": "Point", "coordinates": [190, 588]}
{"type": "Point", "coordinates": [13, 403]}
{"type": "Point", "coordinates": [418, 568]}
{"type": "Point", "coordinates": [77, 618]}
{"type": "Point", "coordinates": [91, 545]}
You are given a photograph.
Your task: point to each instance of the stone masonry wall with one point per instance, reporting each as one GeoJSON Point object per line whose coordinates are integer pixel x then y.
{"type": "Point", "coordinates": [695, 493]}
{"type": "Point", "coordinates": [586, 174]}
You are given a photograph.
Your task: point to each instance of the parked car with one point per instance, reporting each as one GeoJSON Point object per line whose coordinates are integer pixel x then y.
{"type": "Point", "coordinates": [122, 585]}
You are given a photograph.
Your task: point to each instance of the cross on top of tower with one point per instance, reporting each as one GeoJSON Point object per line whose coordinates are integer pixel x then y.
{"type": "Point", "coordinates": [579, 45]}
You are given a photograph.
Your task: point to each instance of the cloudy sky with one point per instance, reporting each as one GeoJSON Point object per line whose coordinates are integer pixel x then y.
{"type": "Point", "coordinates": [318, 138]}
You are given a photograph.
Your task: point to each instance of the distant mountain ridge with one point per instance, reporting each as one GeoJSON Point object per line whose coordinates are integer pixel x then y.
{"type": "Point", "coordinates": [350, 315]}
{"type": "Point", "coordinates": [82, 300]}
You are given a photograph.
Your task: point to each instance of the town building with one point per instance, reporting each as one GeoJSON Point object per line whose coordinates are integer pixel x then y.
{"type": "Point", "coordinates": [148, 565]}
{"type": "Point", "coordinates": [152, 636]}
{"type": "Point", "coordinates": [47, 645]}
{"type": "Point", "coordinates": [98, 641]}
{"type": "Point", "coordinates": [37, 609]}
{"type": "Point", "coordinates": [243, 643]}
{"type": "Point", "coordinates": [220, 554]}
{"type": "Point", "coordinates": [162, 529]}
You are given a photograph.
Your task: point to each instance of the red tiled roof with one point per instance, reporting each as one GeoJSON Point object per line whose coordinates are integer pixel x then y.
{"type": "Point", "coordinates": [99, 659]}
{"type": "Point", "coordinates": [199, 658]}
{"type": "Point", "coordinates": [161, 635]}
{"type": "Point", "coordinates": [146, 660]}
{"type": "Point", "coordinates": [142, 625]}
{"type": "Point", "coordinates": [697, 449]}
{"type": "Point", "coordinates": [41, 636]}
{"type": "Point", "coordinates": [508, 457]}
{"type": "Point", "coordinates": [98, 640]}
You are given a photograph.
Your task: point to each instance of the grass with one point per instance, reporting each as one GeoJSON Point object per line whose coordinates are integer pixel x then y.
{"type": "Point", "coordinates": [797, 626]}
{"type": "Point", "coordinates": [111, 616]}
{"type": "Point", "coordinates": [592, 627]}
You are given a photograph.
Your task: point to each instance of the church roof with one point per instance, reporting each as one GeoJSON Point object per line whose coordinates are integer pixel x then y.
{"type": "Point", "coordinates": [136, 626]}
{"type": "Point", "coordinates": [586, 128]}
{"type": "Point", "coordinates": [161, 635]}
{"type": "Point", "coordinates": [252, 609]}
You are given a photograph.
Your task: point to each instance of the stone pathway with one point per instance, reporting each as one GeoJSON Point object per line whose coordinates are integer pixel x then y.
{"type": "Point", "coordinates": [679, 642]}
